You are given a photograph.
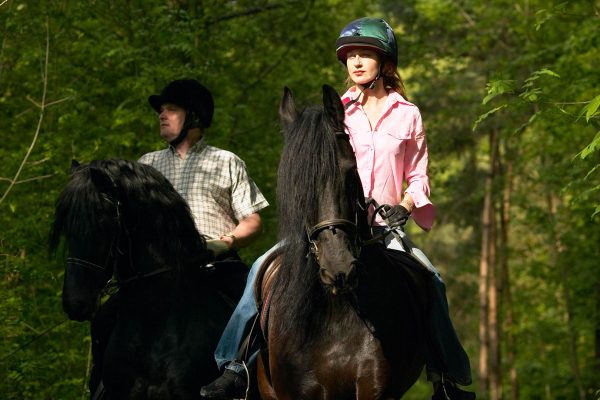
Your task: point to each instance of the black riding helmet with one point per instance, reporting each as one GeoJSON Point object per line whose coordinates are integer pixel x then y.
{"type": "Point", "coordinates": [372, 33]}
{"type": "Point", "coordinates": [194, 98]}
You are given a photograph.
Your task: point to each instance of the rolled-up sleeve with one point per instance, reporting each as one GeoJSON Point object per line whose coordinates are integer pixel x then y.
{"type": "Point", "coordinates": [416, 162]}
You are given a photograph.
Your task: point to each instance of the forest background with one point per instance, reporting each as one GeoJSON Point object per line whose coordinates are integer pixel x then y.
{"type": "Point", "coordinates": [509, 91]}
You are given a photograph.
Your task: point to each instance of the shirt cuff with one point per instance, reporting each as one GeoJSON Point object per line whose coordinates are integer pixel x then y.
{"type": "Point", "coordinates": [424, 212]}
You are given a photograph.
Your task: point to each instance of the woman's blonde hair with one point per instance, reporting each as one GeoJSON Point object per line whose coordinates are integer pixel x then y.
{"type": "Point", "coordinates": [392, 78]}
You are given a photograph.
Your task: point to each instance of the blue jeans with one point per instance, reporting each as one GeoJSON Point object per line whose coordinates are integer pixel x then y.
{"type": "Point", "coordinates": [445, 354]}
{"type": "Point", "coordinates": [237, 328]}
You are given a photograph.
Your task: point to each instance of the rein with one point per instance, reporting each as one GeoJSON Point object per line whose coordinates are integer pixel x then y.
{"type": "Point", "coordinates": [113, 281]}
{"type": "Point", "coordinates": [350, 228]}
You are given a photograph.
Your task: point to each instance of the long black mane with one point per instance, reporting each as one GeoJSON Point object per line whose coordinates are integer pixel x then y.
{"type": "Point", "coordinates": [309, 162]}
{"type": "Point", "coordinates": [149, 208]}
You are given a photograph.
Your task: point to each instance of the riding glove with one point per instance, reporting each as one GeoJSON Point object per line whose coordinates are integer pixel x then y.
{"type": "Point", "coordinates": [395, 216]}
{"type": "Point", "coordinates": [217, 246]}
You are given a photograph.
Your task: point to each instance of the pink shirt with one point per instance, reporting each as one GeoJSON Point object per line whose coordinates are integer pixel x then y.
{"type": "Point", "coordinates": [393, 151]}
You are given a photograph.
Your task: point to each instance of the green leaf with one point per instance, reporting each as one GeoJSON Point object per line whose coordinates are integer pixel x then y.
{"type": "Point", "coordinates": [486, 115]}
{"type": "Point", "coordinates": [590, 148]}
{"type": "Point", "coordinates": [546, 71]}
{"type": "Point", "coordinates": [591, 109]}
{"type": "Point", "coordinates": [591, 171]}
{"type": "Point", "coordinates": [498, 87]}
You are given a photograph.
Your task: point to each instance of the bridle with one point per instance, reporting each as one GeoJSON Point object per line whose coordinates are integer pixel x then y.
{"type": "Point", "coordinates": [333, 224]}
{"type": "Point", "coordinates": [115, 249]}
{"type": "Point", "coordinates": [349, 227]}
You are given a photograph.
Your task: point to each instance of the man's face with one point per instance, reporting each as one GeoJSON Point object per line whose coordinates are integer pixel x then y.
{"type": "Point", "coordinates": [171, 121]}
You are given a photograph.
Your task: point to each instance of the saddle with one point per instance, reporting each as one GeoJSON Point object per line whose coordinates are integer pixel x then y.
{"type": "Point", "coordinates": [263, 287]}
{"type": "Point", "coordinates": [262, 295]}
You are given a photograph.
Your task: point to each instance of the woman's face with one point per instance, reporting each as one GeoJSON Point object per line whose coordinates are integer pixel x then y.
{"type": "Point", "coordinates": [363, 65]}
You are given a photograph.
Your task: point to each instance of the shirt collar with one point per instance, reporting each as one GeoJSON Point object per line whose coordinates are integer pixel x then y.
{"type": "Point", "coordinates": [196, 148]}
{"type": "Point", "coordinates": [352, 93]}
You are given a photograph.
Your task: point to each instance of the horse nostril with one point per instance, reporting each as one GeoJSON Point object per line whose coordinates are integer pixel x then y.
{"type": "Point", "coordinates": [340, 281]}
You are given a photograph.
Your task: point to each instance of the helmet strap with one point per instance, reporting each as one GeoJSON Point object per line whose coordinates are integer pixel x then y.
{"type": "Point", "coordinates": [191, 121]}
{"type": "Point", "coordinates": [371, 84]}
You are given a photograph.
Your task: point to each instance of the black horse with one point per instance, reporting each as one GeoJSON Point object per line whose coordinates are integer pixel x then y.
{"type": "Point", "coordinates": [155, 338]}
{"type": "Point", "coordinates": [346, 321]}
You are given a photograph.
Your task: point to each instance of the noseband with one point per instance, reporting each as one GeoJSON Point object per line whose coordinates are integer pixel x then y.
{"type": "Point", "coordinates": [349, 227]}
{"type": "Point", "coordinates": [333, 225]}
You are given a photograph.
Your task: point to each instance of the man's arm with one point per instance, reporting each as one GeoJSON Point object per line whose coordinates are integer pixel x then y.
{"type": "Point", "coordinates": [244, 233]}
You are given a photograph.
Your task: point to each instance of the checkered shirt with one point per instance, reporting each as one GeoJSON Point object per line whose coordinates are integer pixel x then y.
{"type": "Point", "coordinates": [215, 184]}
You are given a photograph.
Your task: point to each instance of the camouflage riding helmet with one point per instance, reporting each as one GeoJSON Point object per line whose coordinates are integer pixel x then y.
{"type": "Point", "coordinates": [191, 96]}
{"type": "Point", "coordinates": [372, 33]}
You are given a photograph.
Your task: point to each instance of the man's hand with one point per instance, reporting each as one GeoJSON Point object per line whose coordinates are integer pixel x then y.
{"type": "Point", "coordinates": [396, 215]}
{"type": "Point", "coordinates": [217, 246]}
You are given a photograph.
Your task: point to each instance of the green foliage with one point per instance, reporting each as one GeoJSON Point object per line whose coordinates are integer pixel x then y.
{"type": "Point", "coordinates": [526, 70]}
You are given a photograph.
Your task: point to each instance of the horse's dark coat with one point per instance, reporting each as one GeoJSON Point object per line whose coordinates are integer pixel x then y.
{"type": "Point", "coordinates": [155, 339]}
{"type": "Point", "coordinates": [367, 341]}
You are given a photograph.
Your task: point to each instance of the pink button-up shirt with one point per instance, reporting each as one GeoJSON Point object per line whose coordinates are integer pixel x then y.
{"type": "Point", "coordinates": [391, 152]}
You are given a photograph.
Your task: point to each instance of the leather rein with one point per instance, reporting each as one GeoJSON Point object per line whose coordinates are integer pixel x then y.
{"type": "Point", "coordinates": [347, 226]}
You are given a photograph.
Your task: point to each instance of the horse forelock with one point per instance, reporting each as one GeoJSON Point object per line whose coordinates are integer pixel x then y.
{"type": "Point", "coordinates": [80, 210]}
{"type": "Point", "coordinates": [308, 162]}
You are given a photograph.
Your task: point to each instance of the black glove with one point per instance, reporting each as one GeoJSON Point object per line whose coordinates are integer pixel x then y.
{"type": "Point", "coordinates": [396, 216]}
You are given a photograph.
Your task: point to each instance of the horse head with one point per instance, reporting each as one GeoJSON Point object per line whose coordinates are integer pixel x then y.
{"type": "Point", "coordinates": [87, 215]}
{"type": "Point", "coordinates": [333, 197]}
{"type": "Point", "coordinates": [123, 219]}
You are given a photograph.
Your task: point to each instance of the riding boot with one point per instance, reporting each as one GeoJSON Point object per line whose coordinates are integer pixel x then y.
{"type": "Point", "coordinates": [230, 385]}
{"type": "Point", "coordinates": [447, 390]}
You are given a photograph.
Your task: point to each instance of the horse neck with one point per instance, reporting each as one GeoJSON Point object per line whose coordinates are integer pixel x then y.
{"type": "Point", "coordinates": [151, 273]}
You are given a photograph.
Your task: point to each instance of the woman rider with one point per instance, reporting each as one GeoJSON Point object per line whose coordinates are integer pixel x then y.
{"type": "Point", "coordinates": [387, 135]}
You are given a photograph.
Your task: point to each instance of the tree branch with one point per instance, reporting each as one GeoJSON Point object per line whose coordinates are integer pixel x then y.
{"type": "Point", "coordinates": [245, 13]}
{"type": "Point", "coordinates": [35, 178]}
{"type": "Point", "coordinates": [42, 106]}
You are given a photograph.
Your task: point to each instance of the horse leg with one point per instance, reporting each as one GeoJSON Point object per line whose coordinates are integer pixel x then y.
{"type": "Point", "coordinates": [101, 328]}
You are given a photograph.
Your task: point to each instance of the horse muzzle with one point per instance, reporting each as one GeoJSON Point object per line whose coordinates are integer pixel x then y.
{"type": "Point", "coordinates": [79, 310]}
{"type": "Point", "coordinates": [340, 282]}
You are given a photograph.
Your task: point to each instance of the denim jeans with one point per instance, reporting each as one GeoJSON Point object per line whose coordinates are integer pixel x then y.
{"type": "Point", "coordinates": [445, 353]}
{"type": "Point", "coordinates": [226, 353]}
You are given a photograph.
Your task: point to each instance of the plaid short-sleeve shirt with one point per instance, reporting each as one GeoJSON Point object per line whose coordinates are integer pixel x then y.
{"type": "Point", "coordinates": [215, 184]}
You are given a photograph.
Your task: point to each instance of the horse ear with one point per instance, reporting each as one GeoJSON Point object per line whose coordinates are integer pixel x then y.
{"type": "Point", "coordinates": [74, 165]}
{"type": "Point", "coordinates": [333, 106]}
{"type": "Point", "coordinates": [102, 180]}
{"type": "Point", "coordinates": [287, 109]}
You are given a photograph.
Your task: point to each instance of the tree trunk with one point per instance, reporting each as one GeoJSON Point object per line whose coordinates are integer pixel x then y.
{"type": "Point", "coordinates": [484, 270]}
{"type": "Point", "coordinates": [506, 294]}
{"type": "Point", "coordinates": [597, 339]}
{"type": "Point", "coordinates": [556, 250]}
{"type": "Point", "coordinates": [493, 282]}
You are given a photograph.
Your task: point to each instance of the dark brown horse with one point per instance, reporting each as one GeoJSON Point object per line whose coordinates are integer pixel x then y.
{"type": "Point", "coordinates": [346, 321]}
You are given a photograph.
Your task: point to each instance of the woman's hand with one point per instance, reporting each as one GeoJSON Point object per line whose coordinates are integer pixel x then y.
{"type": "Point", "coordinates": [396, 216]}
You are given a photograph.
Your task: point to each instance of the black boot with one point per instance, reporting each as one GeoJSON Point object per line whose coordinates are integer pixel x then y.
{"type": "Point", "coordinates": [230, 385]}
{"type": "Point", "coordinates": [449, 391]}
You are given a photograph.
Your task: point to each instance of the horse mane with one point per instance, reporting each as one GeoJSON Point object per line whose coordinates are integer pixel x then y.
{"type": "Point", "coordinates": [152, 211]}
{"type": "Point", "coordinates": [308, 163]}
